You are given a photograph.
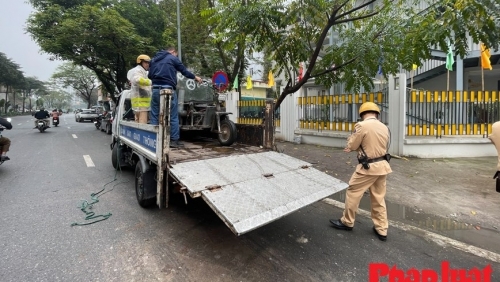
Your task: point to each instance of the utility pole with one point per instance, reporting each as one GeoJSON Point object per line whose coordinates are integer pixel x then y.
{"type": "Point", "coordinates": [179, 52]}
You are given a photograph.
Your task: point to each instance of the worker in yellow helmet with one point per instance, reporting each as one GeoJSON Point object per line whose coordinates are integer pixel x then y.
{"type": "Point", "coordinates": [140, 88]}
{"type": "Point", "coordinates": [371, 140]}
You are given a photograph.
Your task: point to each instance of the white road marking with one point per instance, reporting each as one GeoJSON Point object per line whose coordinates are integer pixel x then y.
{"type": "Point", "coordinates": [20, 124]}
{"type": "Point", "coordinates": [88, 161]}
{"type": "Point", "coordinates": [74, 136]}
{"type": "Point", "coordinates": [431, 236]}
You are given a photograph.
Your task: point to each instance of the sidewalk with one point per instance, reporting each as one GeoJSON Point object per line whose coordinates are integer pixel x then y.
{"type": "Point", "coordinates": [462, 189]}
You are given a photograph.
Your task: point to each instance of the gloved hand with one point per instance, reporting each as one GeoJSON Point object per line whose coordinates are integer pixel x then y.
{"type": "Point", "coordinates": [144, 82]}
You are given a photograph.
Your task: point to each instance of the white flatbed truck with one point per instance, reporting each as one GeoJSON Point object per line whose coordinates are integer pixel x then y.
{"type": "Point", "coordinates": [247, 186]}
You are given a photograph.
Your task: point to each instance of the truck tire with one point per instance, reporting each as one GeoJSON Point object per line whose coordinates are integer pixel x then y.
{"type": "Point", "coordinates": [142, 184]}
{"type": "Point", "coordinates": [114, 156]}
{"type": "Point", "coordinates": [227, 134]}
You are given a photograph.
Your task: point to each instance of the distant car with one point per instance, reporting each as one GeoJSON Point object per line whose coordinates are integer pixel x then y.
{"type": "Point", "coordinates": [86, 114]}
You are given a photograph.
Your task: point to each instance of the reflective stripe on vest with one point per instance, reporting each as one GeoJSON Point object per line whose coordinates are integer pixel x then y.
{"type": "Point", "coordinates": [141, 102]}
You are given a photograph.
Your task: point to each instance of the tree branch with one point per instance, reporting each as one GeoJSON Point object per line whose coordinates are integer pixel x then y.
{"type": "Point", "coordinates": [357, 18]}
{"type": "Point", "coordinates": [336, 10]}
{"type": "Point", "coordinates": [354, 10]}
{"type": "Point", "coordinates": [335, 68]}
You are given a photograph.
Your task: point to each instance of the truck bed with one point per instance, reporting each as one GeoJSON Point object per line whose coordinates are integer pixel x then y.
{"type": "Point", "coordinates": [207, 148]}
{"type": "Point", "coordinates": [135, 134]}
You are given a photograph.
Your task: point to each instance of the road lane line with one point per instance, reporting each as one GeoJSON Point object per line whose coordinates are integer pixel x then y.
{"type": "Point", "coordinates": [88, 161]}
{"type": "Point", "coordinates": [436, 238]}
{"type": "Point", "coordinates": [20, 124]}
{"type": "Point", "coordinates": [74, 136]}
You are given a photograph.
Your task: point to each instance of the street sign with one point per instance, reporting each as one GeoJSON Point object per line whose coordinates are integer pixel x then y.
{"type": "Point", "coordinates": [220, 80]}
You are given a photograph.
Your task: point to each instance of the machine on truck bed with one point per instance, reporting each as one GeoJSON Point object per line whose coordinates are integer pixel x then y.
{"type": "Point", "coordinates": [247, 186]}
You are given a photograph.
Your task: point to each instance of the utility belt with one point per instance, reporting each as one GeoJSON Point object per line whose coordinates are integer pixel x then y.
{"type": "Point", "coordinates": [365, 161]}
{"type": "Point", "coordinates": [162, 87]}
{"type": "Point", "coordinates": [387, 157]}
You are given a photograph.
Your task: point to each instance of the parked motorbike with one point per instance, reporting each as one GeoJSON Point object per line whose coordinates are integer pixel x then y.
{"type": "Point", "coordinates": [98, 122]}
{"type": "Point", "coordinates": [55, 121]}
{"type": "Point", "coordinates": [41, 125]}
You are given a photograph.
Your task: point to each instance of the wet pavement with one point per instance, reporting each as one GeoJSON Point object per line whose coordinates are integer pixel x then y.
{"type": "Point", "coordinates": [466, 232]}
{"type": "Point", "coordinates": [455, 198]}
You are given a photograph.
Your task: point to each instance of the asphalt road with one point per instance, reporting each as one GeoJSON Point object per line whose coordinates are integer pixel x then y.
{"type": "Point", "coordinates": [43, 184]}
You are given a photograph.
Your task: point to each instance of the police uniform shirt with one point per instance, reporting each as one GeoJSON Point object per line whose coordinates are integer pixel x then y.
{"type": "Point", "coordinates": [374, 137]}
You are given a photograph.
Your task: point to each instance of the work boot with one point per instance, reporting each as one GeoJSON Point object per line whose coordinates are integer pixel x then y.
{"type": "Point", "coordinates": [176, 144]}
{"type": "Point", "coordinates": [380, 237]}
{"type": "Point", "coordinates": [4, 158]}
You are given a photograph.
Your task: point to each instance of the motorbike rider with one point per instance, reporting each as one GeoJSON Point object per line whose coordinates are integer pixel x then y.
{"type": "Point", "coordinates": [4, 141]}
{"type": "Point", "coordinates": [42, 114]}
{"type": "Point", "coordinates": [54, 114]}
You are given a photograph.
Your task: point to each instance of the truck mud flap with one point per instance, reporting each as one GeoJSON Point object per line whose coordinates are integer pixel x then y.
{"type": "Point", "coordinates": [249, 191]}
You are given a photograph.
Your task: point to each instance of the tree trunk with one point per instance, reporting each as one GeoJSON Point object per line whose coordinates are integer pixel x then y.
{"type": "Point", "coordinates": [6, 99]}
{"type": "Point", "coordinates": [24, 99]}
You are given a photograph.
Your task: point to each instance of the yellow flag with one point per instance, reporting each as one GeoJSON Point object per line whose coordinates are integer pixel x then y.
{"type": "Point", "coordinates": [485, 58]}
{"type": "Point", "coordinates": [249, 82]}
{"type": "Point", "coordinates": [270, 79]}
{"type": "Point", "coordinates": [414, 67]}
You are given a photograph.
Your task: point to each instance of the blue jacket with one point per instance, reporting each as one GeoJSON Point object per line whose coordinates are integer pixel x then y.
{"type": "Point", "coordinates": [164, 67]}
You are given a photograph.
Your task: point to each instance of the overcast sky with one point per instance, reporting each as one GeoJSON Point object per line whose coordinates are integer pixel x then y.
{"type": "Point", "coordinates": [17, 45]}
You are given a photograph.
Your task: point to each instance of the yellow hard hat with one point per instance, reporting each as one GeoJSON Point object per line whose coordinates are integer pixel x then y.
{"type": "Point", "coordinates": [143, 58]}
{"type": "Point", "coordinates": [368, 107]}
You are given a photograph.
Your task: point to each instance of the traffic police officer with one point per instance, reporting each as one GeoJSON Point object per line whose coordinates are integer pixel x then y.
{"type": "Point", "coordinates": [495, 139]}
{"type": "Point", "coordinates": [370, 139]}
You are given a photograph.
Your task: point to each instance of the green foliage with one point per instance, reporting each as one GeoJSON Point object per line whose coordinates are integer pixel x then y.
{"type": "Point", "coordinates": [366, 35]}
{"type": "Point", "coordinates": [33, 87]}
{"type": "Point", "coordinates": [11, 75]}
{"type": "Point", "coordinates": [80, 79]}
{"type": "Point", "coordinates": [103, 36]}
{"type": "Point", "coordinates": [40, 102]}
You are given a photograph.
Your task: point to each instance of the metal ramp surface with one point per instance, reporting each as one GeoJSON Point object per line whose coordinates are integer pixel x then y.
{"type": "Point", "coordinates": [249, 191]}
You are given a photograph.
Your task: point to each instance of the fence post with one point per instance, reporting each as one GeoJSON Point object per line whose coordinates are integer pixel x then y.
{"type": "Point", "coordinates": [269, 124]}
{"type": "Point", "coordinates": [397, 112]}
{"type": "Point", "coordinates": [232, 106]}
{"type": "Point", "coordinates": [288, 117]}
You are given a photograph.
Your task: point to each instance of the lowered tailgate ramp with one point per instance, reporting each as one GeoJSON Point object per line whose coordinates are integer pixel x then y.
{"type": "Point", "coordinates": [249, 191]}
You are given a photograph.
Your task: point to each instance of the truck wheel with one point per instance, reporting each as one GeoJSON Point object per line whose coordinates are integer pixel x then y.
{"type": "Point", "coordinates": [227, 134]}
{"type": "Point", "coordinates": [114, 156]}
{"type": "Point", "coordinates": [141, 186]}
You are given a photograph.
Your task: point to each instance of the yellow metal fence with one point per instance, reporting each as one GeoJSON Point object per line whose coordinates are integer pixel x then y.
{"type": "Point", "coordinates": [428, 113]}
{"type": "Point", "coordinates": [336, 112]}
{"type": "Point", "coordinates": [252, 112]}
{"type": "Point", "coordinates": [440, 113]}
